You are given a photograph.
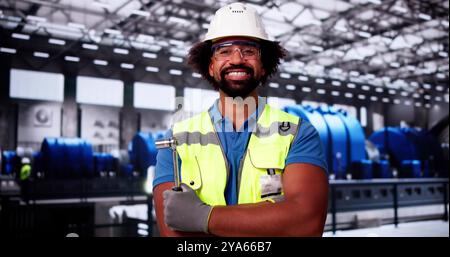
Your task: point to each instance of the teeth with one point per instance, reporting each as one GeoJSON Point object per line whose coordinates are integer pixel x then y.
{"type": "Point", "coordinates": [238, 73]}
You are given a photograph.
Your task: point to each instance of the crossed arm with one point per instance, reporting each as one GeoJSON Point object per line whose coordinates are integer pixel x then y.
{"type": "Point", "coordinates": [302, 213]}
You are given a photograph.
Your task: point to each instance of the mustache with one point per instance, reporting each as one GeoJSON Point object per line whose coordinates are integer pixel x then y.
{"type": "Point", "coordinates": [240, 66]}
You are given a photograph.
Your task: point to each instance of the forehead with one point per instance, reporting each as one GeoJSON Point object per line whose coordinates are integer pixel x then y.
{"type": "Point", "coordinates": [226, 39]}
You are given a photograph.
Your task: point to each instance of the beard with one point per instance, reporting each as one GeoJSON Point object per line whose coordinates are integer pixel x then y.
{"type": "Point", "coordinates": [241, 88]}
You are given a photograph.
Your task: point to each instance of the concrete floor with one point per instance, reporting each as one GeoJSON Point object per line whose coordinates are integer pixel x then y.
{"type": "Point", "coordinates": [413, 229]}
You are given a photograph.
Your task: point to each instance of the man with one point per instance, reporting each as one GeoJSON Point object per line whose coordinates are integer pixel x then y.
{"type": "Point", "coordinates": [247, 169]}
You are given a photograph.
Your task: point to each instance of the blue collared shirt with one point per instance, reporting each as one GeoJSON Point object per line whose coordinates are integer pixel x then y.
{"type": "Point", "coordinates": [306, 148]}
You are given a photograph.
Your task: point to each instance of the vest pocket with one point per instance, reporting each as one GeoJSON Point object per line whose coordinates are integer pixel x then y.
{"type": "Point", "coordinates": [268, 157]}
{"type": "Point", "coordinates": [191, 174]}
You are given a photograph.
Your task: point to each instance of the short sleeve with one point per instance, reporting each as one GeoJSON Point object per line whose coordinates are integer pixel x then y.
{"type": "Point", "coordinates": [307, 147]}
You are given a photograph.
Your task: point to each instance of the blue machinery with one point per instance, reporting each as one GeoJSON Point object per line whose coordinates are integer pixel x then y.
{"type": "Point", "coordinates": [405, 152]}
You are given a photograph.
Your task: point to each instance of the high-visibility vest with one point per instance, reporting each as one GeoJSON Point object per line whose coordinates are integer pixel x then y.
{"type": "Point", "coordinates": [204, 165]}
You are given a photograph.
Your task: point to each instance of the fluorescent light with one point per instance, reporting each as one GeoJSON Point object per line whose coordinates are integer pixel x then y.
{"type": "Point", "coordinates": [76, 25]}
{"type": "Point", "coordinates": [392, 92]}
{"type": "Point", "coordinates": [149, 55]}
{"type": "Point", "coordinates": [407, 102]}
{"type": "Point", "coordinates": [426, 86]}
{"type": "Point", "coordinates": [335, 83]}
{"type": "Point", "coordinates": [399, 9]}
{"type": "Point", "coordinates": [427, 105]}
{"type": "Point", "coordinates": [179, 20]}
{"type": "Point", "coordinates": [365, 88]}
{"type": "Point", "coordinates": [175, 72]}
{"type": "Point", "coordinates": [290, 87]}
{"type": "Point", "coordinates": [439, 88]}
{"type": "Point", "coordinates": [41, 54]}
{"type": "Point", "coordinates": [127, 66]}
{"type": "Point", "coordinates": [175, 59]}
{"type": "Point", "coordinates": [424, 16]}
{"type": "Point", "coordinates": [176, 42]}
{"type": "Point", "coordinates": [379, 90]}
{"type": "Point", "coordinates": [416, 95]}
{"type": "Point", "coordinates": [404, 93]}
{"type": "Point", "coordinates": [196, 75]}
{"type": "Point", "coordinates": [100, 62]}
{"type": "Point", "coordinates": [20, 36]}
{"type": "Point", "coordinates": [396, 101]}
{"type": "Point", "coordinates": [340, 28]}
{"type": "Point", "coordinates": [90, 46]}
{"type": "Point", "coordinates": [306, 89]}
{"type": "Point", "coordinates": [440, 76]}
{"type": "Point", "coordinates": [385, 100]}
{"type": "Point", "coordinates": [320, 81]}
{"type": "Point", "coordinates": [373, 98]}
{"type": "Point", "coordinates": [113, 32]}
{"type": "Point", "coordinates": [120, 51]}
{"type": "Point", "coordinates": [438, 98]}
{"type": "Point", "coordinates": [141, 13]}
{"type": "Point", "coordinates": [418, 104]}
{"type": "Point", "coordinates": [335, 93]}
{"type": "Point", "coordinates": [351, 85]}
{"type": "Point", "coordinates": [285, 75]}
{"type": "Point", "coordinates": [274, 85]}
{"type": "Point", "coordinates": [364, 34]}
{"type": "Point", "coordinates": [36, 18]}
{"type": "Point", "coordinates": [428, 97]}
{"type": "Point", "coordinates": [395, 64]}
{"type": "Point", "coordinates": [354, 73]}
{"type": "Point", "coordinates": [71, 58]}
{"type": "Point", "coordinates": [317, 48]}
{"type": "Point", "coordinates": [55, 41]}
{"type": "Point", "coordinates": [152, 69]}
{"type": "Point", "coordinates": [410, 68]}
{"type": "Point", "coordinates": [374, 1]}
{"type": "Point", "coordinates": [302, 78]}
{"type": "Point", "coordinates": [321, 91]}
{"type": "Point", "coordinates": [8, 50]}
{"type": "Point", "coordinates": [363, 97]}
{"type": "Point", "coordinates": [348, 95]}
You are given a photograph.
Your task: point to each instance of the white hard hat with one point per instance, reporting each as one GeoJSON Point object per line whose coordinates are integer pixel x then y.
{"type": "Point", "coordinates": [236, 19]}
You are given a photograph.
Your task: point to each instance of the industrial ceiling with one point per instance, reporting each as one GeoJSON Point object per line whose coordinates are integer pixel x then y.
{"type": "Point", "coordinates": [382, 44]}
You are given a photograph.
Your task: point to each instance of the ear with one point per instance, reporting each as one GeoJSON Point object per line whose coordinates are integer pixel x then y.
{"type": "Point", "coordinates": [211, 69]}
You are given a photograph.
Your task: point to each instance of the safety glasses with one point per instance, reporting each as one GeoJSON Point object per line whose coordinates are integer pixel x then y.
{"type": "Point", "coordinates": [247, 49]}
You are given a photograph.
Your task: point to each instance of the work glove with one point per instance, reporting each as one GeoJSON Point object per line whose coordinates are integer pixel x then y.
{"type": "Point", "coordinates": [184, 211]}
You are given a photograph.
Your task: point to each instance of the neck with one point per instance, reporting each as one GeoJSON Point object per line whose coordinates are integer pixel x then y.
{"type": "Point", "coordinates": [238, 109]}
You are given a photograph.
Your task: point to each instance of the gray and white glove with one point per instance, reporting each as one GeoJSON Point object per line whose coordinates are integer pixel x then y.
{"type": "Point", "coordinates": [184, 211]}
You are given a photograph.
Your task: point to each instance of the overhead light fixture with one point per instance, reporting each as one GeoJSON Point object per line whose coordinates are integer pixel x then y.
{"type": "Point", "coordinates": [399, 9]}
{"type": "Point", "coordinates": [440, 75]}
{"type": "Point", "coordinates": [385, 100]}
{"type": "Point", "coordinates": [175, 72]}
{"type": "Point", "coordinates": [439, 88]}
{"type": "Point", "coordinates": [373, 98]}
{"type": "Point", "coordinates": [354, 73]}
{"type": "Point", "coordinates": [362, 97]}
{"type": "Point", "coordinates": [149, 55]}
{"type": "Point", "coordinates": [438, 98]}
{"type": "Point", "coordinates": [306, 89]}
{"type": "Point", "coordinates": [365, 88]}
{"type": "Point", "coordinates": [443, 54]}
{"type": "Point", "coordinates": [175, 59]}
{"type": "Point", "coordinates": [41, 54]}
{"type": "Point", "coordinates": [374, 1]}
{"type": "Point", "coordinates": [351, 85]}
{"type": "Point", "coordinates": [274, 85]}
{"type": "Point", "coordinates": [76, 25]}
{"type": "Point", "coordinates": [364, 34]}
{"type": "Point", "coordinates": [426, 86]}
{"type": "Point", "coordinates": [404, 93]}
{"type": "Point", "coordinates": [427, 105]}
{"type": "Point", "coordinates": [100, 62]}
{"type": "Point", "coordinates": [290, 87]}
{"type": "Point", "coordinates": [397, 101]}
{"type": "Point", "coordinates": [196, 75]}
{"type": "Point", "coordinates": [55, 41]}
{"type": "Point", "coordinates": [36, 18]}
{"type": "Point", "coordinates": [141, 13]}
{"type": "Point", "coordinates": [90, 46]}
{"type": "Point", "coordinates": [392, 92]}
{"type": "Point", "coordinates": [285, 75]}
{"type": "Point", "coordinates": [394, 64]}
{"type": "Point", "coordinates": [152, 69]}
{"type": "Point", "coordinates": [317, 48]}
{"type": "Point", "coordinates": [336, 83]}
{"type": "Point", "coordinates": [302, 78]}
{"type": "Point", "coordinates": [20, 36]}
{"type": "Point", "coordinates": [121, 51]}
{"type": "Point", "coordinates": [379, 90]}
{"type": "Point", "coordinates": [321, 91]}
{"type": "Point", "coordinates": [424, 16]}
{"type": "Point", "coordinates": [113, 32]}
{"type": "Point", "coordinates": [339, 53]}
{"type": "Point", "coordinates": [341, 28]}
{"type": "Point", "coordinates": [348, 95]}
{"type": "Point", "coordinates": [176, 42]}
{"type": "Point", "coordinates": [427, 97]}
{"type": "Point", "coordinates": [418, 104]}
{"type": "Point", "coordinates": [335, 93]}
{"type": "Point", "coordinates": [410, 68]}
{"type": "Point", "coordinates": [8, 50]}
{"type": "Point", "coordinates": [416, 95]}
{"type": "Point", "coordinates": [320, 81]}
{"type": "Point", "coordinates": [71, 58]}
{"type": "Point", "coordinates": [180, 21]}
{"type": "Point", "coordinates": [127, 66]}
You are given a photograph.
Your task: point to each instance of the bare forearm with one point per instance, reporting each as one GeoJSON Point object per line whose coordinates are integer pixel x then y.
{"type": "Point", "coordinates": [265, 219]}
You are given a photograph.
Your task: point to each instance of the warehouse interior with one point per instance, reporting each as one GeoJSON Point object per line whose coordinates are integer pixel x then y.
{"type": "Point", "coordinates": [87, 87]}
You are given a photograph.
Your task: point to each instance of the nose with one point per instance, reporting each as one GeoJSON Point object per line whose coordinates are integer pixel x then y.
{"type": "Point", "coordinates": [236, 57]}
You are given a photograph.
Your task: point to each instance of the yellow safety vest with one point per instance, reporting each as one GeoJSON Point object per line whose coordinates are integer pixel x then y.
{"type": "Point", "coordinates": [204, 165]}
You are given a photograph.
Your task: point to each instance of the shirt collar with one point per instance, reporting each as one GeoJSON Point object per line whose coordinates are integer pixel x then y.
{"type": "Point", "coordinates": [216, 116]}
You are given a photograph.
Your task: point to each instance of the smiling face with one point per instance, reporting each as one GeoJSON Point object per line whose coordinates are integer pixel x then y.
{"type": "Point", "coordinates": [236, 71]}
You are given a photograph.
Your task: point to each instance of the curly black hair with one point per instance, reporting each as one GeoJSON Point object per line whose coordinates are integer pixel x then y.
{"type": "Point", "coordinates": [199, 58]}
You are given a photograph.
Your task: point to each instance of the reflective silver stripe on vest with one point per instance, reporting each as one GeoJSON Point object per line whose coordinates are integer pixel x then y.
{"type": "Point", "coordinates": [281, 128]}
{"type": "Point", "coordinates": [190, 138]}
